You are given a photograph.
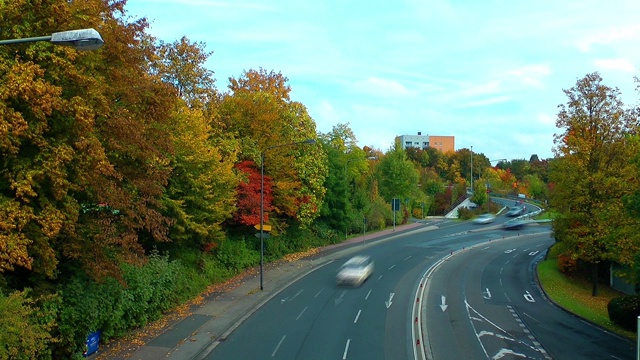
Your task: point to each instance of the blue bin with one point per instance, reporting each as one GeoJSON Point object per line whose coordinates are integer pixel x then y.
{"type": "Point", "coordinates": [92, 343]}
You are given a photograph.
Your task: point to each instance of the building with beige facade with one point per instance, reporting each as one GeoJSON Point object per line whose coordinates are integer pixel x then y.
{"type": "Point", "coordinates": [442, 143]}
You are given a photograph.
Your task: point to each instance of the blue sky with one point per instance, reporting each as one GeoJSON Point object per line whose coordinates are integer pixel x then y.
{"type": "Point", "coordinates": [489, 72]}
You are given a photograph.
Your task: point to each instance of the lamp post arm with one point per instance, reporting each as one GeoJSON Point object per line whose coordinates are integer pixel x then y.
{"type": "Point", "coordinates": [25, 40]}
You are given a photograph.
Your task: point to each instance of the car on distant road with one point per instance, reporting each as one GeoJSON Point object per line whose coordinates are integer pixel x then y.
{"type": "Point", "coordinates": [485, 219]}
{"type": "Point", "coordinates": [517, 211]}
{"type": "Point", "coordinates": [355, 271]}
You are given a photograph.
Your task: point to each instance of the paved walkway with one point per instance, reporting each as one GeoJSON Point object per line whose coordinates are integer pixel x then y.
{"type": "Point", "coordinates": [196, 335]}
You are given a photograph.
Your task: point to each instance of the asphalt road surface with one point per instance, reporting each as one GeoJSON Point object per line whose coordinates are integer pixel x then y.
{"type": "Point", "coordinates": [315, 319]}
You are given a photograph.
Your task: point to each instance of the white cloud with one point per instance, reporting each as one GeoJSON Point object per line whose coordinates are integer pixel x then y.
{"type": "Point", "coordinates": [482, 89]}
{"type": "Point", "coordinates": [610, 36]}
{"type": "Point", "coordinates": [531, 74]}
{"type": "Point", "coordinates": [382, 87]}
{"type": "Point", "coordinates": [488, 101]}
{"type": "Point", "coordinates": [616, 64]}
{"type": "Point", "coordinates": [546, 119]}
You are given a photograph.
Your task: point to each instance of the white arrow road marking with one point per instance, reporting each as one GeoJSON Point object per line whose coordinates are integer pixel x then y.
{"type": "Point", "coordinates": [388, 302]}
{"type": "Point", "coordinates": [339, 299]}
{"type": "Point", "coordinates": [443, 306]}
{"type": "Point", "coordinates": [533, 253]}
{"type": "Point", "coordinates": [528, 297]}
{"type": "Point", "coordinates": [509, 251]}
{"type": "Point", "coordinates": [487, 294]}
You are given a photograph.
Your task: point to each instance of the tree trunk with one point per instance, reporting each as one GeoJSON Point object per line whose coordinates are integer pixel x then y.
{"type": "Point", "coordinates": [594, 278]}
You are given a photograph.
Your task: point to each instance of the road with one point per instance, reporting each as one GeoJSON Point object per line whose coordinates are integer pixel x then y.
{"type": "Point", "coordinates": [492, 298]}
{"type": "Point", "coordinates": [315, 319]}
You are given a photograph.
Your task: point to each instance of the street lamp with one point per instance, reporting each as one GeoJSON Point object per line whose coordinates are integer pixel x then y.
{"type": "Point", "coordinates": [472, 169]}
{"type": "Point", "coordinates": [83, 39]}
{"type": "Point", "coordinates": [308, 141]}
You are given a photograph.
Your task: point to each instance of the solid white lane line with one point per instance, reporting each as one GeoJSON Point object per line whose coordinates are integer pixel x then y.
{"type": "Point", "coordinates": [357, 316]}
{"type": "Point", "coordinates": [367, 297]}
{"type": "Point", "coordinates": [303, 310]}
{"type": "Point", "coordinates": [321, 290]}
{"type": "Point", "coordinates": [277, 347]}
{"type": "Point", "coordinates": [346, 350]}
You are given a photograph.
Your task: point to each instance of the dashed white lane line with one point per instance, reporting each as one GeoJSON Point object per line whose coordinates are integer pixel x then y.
{"type": "Point", "coordinates": [278, 346]}
{"type": "Point", "coordinates": [302, 312]}
{"type": "Point", "coordinates": [357, 316]}
{"type": "Point", "coordinates": [346, 350]}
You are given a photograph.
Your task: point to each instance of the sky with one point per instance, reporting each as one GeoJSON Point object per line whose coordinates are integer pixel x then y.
{"type": "Point", "coordinates": [489, 72]}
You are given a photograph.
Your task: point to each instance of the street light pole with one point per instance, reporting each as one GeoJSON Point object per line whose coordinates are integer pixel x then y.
{"type": "Point", "coordinates": [83, 39]}
{"type": "Point", "coordinates": [472, 170]}
{"type": "Point", "coordinates": [308, 141]}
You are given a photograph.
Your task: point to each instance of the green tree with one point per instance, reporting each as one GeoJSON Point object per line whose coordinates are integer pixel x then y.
{"type": "Point", "coordinates": [592, 171]}
{"type": "Point", "coordinates": [397, 176]}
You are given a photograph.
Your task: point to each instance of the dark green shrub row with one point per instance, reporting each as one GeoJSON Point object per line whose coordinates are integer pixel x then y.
{"type": "Point", "coordinates": [624, 311]}
{"type": "Point", "coordinates": [114, 308]}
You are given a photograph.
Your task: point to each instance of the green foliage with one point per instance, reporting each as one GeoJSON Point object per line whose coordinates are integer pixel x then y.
{"type": "Point", "coordinates": [624, 311]}
{"type": "Point", "coordinates": [592, 173]}
{"type": "Point", "coordinates": [236, 255]}
{"type": "Point", "coordinates": [115, 308]}
{"type": "Point", "coordinates": [397, 176]}
{"type": "Point", "coordinates": [465, 213]}
{"type": "Point", "coordinates": [24, 328]}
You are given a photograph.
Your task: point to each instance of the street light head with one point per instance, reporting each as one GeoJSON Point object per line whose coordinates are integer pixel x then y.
{"type": "Point", "coordinates": [309, 141]}
{"type": "Point", "coordinates": [372, 158]}
{"type": "Point", "coordinates": [84, 39]}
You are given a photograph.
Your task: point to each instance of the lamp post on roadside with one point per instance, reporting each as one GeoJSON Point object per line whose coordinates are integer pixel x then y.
{"type": "Point", "coordinates": [308, 141]}
{"type": "Point", "coordinates": [83, 39]}
{"type": "Point", "coordinates": [471, 169]}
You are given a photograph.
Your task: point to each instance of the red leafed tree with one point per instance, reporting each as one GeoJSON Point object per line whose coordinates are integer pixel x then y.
{"type": "Point", "coordinates": [249, 195]}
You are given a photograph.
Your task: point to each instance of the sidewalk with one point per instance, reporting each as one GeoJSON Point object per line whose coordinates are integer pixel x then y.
{"type": "Point", "coordinates": [196, 335]}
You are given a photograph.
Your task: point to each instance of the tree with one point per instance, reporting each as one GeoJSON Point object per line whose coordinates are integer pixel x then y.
{"type": "Point", "coordinates": [480, 195]}
{"type": "Point", "coordinates": [249, 199]}
{"type": "Point", "coordinates": [592, 171]}
{"type": "Point", "coordinates": [397, 176]}
{"type": "Point", "coordinates": [181, 64]}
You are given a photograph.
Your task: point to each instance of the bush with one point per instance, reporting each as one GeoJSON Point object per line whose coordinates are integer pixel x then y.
{"type": "Point", "coordinates": [22, 335]}
{"type": "Point", "coordinates": [236, 256]}
{"type": "Point", "coordinates": [624, 311]}
{"type": "Point", "coordinates": [115, 308]}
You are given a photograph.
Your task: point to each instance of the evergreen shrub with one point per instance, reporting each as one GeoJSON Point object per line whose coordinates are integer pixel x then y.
{"type": "Point", "coordinates": [624, 311]}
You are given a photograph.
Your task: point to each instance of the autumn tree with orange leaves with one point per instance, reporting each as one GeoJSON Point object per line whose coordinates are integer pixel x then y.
{"type": "Point", "coordinates": [591, 174]}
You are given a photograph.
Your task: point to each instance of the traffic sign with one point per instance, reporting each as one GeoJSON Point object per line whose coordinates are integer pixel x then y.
{"type": "Point", "coordinates": [265, 227]}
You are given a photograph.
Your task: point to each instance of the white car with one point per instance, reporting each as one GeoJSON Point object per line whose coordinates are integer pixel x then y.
{"type": "Point", "coordinates": [484, 219]}
{"type": "Point", "coordinates": [355, 271]}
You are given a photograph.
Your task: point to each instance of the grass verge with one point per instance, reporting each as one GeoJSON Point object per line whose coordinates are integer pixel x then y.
{"type": "Point", "coordinates": [574, 295]}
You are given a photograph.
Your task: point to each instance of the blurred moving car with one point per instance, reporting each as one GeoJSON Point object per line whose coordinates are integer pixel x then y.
{"type": "Point", "coordinates": [355, 271]}
{"type": "Point", "coordinates": [485, 219]}
{"type": "Point", "coordinates": [517, 211]}
{"type": "Point", "coordinates": [514, 224]}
